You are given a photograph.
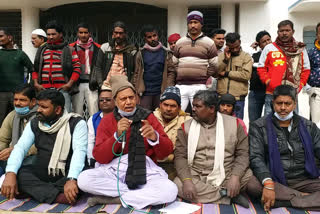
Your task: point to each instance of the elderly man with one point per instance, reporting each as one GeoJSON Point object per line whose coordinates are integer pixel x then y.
{"type": "Point", "coordinates": [38, 38]}
{"type": "Point", "coordinates": [284, 155]}
{"type": "Point", "coordinates": [171, 117]}
{"type": "Point", "coordinates": [196, 54]}
{"type": "Point", "coordinates": [106, 105]}
{"type": "Point", "coordinates": [283, 62]}
{"type": "Point", "coordinates": [235, 67]}
{"type": "Point", "coordinates": [116, 57]}
{"type": "Point", "coordinates": [211, 155]}
{"type": "Point", "coordinates": [24, 101]}
{"type": "Point", "coordinates": [61, 141]}
{"type": "Point", "coordinates": [142, 141]}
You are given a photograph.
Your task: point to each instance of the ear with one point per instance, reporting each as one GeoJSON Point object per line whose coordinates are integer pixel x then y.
{"type": "Point", "coordinates": [58, 110]}
{"type": "Point", "coordinates": [10, 38]}
{"type": "Point", "coordinates": [33, 102]}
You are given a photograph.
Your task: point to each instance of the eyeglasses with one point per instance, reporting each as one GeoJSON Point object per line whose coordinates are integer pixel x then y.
{"type": "Point", "coordinates": [105, 99]}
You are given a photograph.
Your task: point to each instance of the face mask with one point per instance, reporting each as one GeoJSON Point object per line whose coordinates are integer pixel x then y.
{"type": "Point", "coordinates": [127, 114]}
{"type": "Point", "coordinates": [22, 111]}
{"type": "Point", "coordinates": [288, 117]}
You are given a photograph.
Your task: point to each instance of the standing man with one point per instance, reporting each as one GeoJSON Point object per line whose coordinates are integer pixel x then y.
{"type": "Point", "coordinates": [13, 63]}
{"type": "Point", "coordinates": [87, 51]}
{"type": "Point", "coordinates": [314, 78]}
{"type": "Point", "coordinates": [56, 65]}
{"type": "Point", "coordinates": [170, 115]}
{"type": "Point", "coordinates": [196, 54]}
{"type": "Point", "coordinates": [154, 69]}
{"type": "Point", "coordinates": [106, 105]}
{"type": "Point", "coordinates": [257, 88]}
{"type": "Point", "coordinates": [284, 62]}
{"type": "Point", "coordinates": [218, 38]}
{"type": "Point", "coordinates": [61, 141]}
{"type": "Point", "coordinates": [38, 38]}
{"type": "Point", "coordinates": [172, 40]}
{"type": "Point", "coordinates": [235, 67]}
{"type": "Point", "coordinates": [116, 57]}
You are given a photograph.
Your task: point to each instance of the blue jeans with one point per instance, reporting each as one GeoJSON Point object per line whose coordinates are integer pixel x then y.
{"type": "Point", "coordinates": [268, 104]}
{"type": "Point", "coordinates": [239, 109]}
{"type": "Point", "coordinates": [67, 99]}
{"type": "Point", "coordinates": [256, 102]}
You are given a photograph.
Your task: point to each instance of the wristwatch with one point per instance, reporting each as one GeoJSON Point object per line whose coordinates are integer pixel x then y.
{"type": "Point", "coordinates": [71, 179]}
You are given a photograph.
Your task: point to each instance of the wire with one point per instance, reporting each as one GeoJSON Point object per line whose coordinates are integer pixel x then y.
{"type": "Point", "coordinates": [118, 179]}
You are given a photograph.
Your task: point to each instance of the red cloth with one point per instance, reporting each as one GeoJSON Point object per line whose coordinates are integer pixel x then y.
{"type": "Point", "coordinates": [174, 37]}
{"type": "Point", "coordinates": [102, 150]}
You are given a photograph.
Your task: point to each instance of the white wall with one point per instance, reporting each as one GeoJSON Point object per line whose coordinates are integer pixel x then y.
{"type": "Point", "coordinates": [304, 20]}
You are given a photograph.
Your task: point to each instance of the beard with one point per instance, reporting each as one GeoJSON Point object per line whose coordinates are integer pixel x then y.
{"type": "Point", "coordinates": [119, 41]}
{"type": "Point", "coordinates": [154, 43]}
{"type": "Point", "coordinates": [46, 119]}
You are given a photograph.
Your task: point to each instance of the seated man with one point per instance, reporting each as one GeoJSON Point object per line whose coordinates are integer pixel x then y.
{"type": "Point", "coordinates": [227, 105]}
{"type": "Point", "coordinates": [106, 105]}
{"type": "Point", "coordinates": [141, 181]}
{"type": "Point", "coordinates": [170, 115]}
{"type": "Point", "coordinates": [284, 155]}
{"type": "Point", "coordinates": [61, 141]}
{"type": "Point", "coordinates": [211, 155]}
{"type": "Point", "coordinates": [24, 101]}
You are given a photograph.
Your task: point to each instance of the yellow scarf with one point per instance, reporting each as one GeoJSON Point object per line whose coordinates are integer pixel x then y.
{"type": "Point", "coordinates": [317, 44]}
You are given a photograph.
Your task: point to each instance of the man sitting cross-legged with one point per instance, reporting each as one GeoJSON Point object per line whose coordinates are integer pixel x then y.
{"type": "Point", "coordinates": [141, 181]}
{"type": "Point", "coordinates": [61, 141]}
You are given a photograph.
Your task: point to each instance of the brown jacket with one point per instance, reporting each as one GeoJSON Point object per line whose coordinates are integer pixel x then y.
{"type": "Point", "coordinates": [168, 75]}
{"type": "Point", "coordinates": [239, 69]}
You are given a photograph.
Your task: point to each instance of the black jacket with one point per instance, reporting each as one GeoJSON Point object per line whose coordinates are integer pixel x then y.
{"type": "Point", "coordinates": [255, 82]}
{"type": "Point", "coordinates": [292, 162]}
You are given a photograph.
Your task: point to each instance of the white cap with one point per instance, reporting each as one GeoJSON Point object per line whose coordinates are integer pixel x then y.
{"type": "Point", "coordinates": [39, 32]}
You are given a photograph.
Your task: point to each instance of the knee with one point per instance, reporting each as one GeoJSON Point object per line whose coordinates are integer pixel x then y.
{"type": "Point", "coordinates": [84, 181]}
{"type": "Point", "coordinates": [172, 190]}
{"type": "Point", "coordinates": [254, 187]}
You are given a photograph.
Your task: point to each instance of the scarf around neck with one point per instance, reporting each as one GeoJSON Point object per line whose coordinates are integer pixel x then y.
{"type": "Point", "coordinates": [150, 48]}
{"type": "Point", "coordinates": [86, 47]}
{"type": "Point", "coordinates": [275, 163]}
{"type": "Point", "coordinates": [136, 172]}
{"type": "Point", "coordinates": [317, 44]}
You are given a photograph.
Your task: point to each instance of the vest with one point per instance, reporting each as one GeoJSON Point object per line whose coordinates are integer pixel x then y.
{"type": "Point", "coordinates": [96, 121]}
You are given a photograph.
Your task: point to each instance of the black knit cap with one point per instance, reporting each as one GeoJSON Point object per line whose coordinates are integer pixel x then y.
{"type": "Point", "coordinates": [227, 99]}
{"type": "Point", "coordinates": [171, 93]}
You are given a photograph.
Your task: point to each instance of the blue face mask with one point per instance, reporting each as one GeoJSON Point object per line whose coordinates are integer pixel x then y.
{"type": "Point", "coordinates": [23, 110]}
{"type": "Point", "coordinates": [288, 117]}
{"type": "Point", "coordinates": [127, 114]}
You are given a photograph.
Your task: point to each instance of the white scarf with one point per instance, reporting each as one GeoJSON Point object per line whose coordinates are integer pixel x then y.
{"type": "Point", "coordinates": [217, 176]}
{"type": "Point", "coordinates": [62, 144]}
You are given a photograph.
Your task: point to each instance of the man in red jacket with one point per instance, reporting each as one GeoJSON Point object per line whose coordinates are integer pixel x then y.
{"type": "Point", "coordinates": [141, 181]}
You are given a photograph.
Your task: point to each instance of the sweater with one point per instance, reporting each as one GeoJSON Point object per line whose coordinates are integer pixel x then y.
{"type": "Point", "coordinates": [255, 82]}
{"type": "Point", "coordinates": [314, 57]}
{"type": "Point", "coordinates": [12, 65]}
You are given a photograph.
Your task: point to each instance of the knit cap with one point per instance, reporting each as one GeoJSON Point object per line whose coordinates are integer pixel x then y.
{"type": "Point", "coordinates": [227, 99]}
{"type": "Point", "coordinates": [119, 83]}
{"type": "Point", "coordinates": [39, 32]}
{"type": "Point", "coordinates": [174, 37]}
{"type": "Point", "coordinates": [195, 15]}
{"type": "Point", "coordinates": [171, 93]}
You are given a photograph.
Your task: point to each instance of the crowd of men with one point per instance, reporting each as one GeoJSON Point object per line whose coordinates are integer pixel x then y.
{"type": "Point", "coordinates": [139, 147]}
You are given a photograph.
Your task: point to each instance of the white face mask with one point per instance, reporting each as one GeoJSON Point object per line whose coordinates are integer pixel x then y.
{"type": "Point", "coordinates": [127, 114]}
{"type": "Point", "coordinates": [288, 117]}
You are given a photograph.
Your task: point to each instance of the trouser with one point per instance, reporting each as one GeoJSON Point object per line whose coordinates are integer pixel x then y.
{"type": "Point", "coordinates": [256, 102]}
{"type": "Point", "coordinates": [103, 179]}
{"type": "Point", "coordinates": [314, 102]}
{"type": "Point", "coordinates": [6, 104]}
{"type": "Point", "coordinates": [239, 109]}
{"type": "Point", "coordinates": [67, 98]}
{"type": "Point", "coordinates": [208, 193]}
{"type": "Point", "coordinates": [43, 191]}
{"type": "Point", "coordinates": [91, 98]}
{"type": "Point", "coordinates": [187, 92]}
{"type": "Point", "coordinates": [150, 102]}
{"type": "Point", "coordinates": [292, 193]}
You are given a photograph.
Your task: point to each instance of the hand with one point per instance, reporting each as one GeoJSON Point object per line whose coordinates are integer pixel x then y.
{"type": "Point", "coordinates": [71, 191]}
{"type": "Point", "coordinates": [233, 186]}
{"type": "Point", "coordinates": [254, 45]}
{"type": "Point", "coordinates": [123, 125]}
{"type": "Point", "coordinates": [227, 53]}
{"type": "Point", "coordinates": [38, 87]}
{"type": "Point", "coordinates": [147, 131]}
{"type": "Point", "coordinates": [9, 186]}
{"type": "Point", "coordinates": [222, 73]}
{"type": "Point", "coordinates": [5, 153]}
{"type": "Point", "coordinates": [189, 190]}
{"type": "Point", "coordinates": [66, 87]}
{"type": "Point", "coordinates": [268, 82]}
{"type": "Point", "coordinates": [268, 198]}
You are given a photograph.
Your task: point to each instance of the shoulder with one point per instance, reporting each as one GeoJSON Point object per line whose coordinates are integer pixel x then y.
{"type": "Point", "coordinates": [207, 40]}
{"type": "Point", "coordinates": [105, 47]}
{"type": "Point", "coordinates": [259, 122]}
{"type": "Point", "coordinates": [73, 44]}
{"type": "Point", "coordinates": [96, 44]}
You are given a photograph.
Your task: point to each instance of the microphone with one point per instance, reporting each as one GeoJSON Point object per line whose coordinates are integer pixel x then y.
{"type": "Point", "coordinates": [123, 140]}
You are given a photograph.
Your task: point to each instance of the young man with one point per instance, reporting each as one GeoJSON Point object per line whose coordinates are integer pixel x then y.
{"type": "Point", "coordinates": [154, 69]}
{"type": "Point", "coordinates": [61, 139]}
{"type": "Point", "coordinates": [196, 54]}
{"type": "Point", "coordinates": [284, 62]}
{"type": "Point", "coordinates": [235, 67]}
{"type": "Point", "coordinates": [284, 155]}
{"type": "Point", "coordinates": [106, 105]}
{"type": "Point", "coordinates": [257, 88]}
{"type": "Point", "coordinates": [38, 38]}
{"type": "Point", "coordinates": [56, 65]}
{"type": "Point", "coordinates": [13, 63]}
{"type": "Point", "coordinates": [141, 181]}
{"type": "Point", "coordinates": [218, 38]}
{"type": "Point", "coordinates": [87, 51]}
{"type": "Point", "coordinates": [170, 115]}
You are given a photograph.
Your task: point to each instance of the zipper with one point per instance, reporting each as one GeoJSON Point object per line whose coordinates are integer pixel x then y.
{"type": "Point", "coordinates": [228, 87]}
